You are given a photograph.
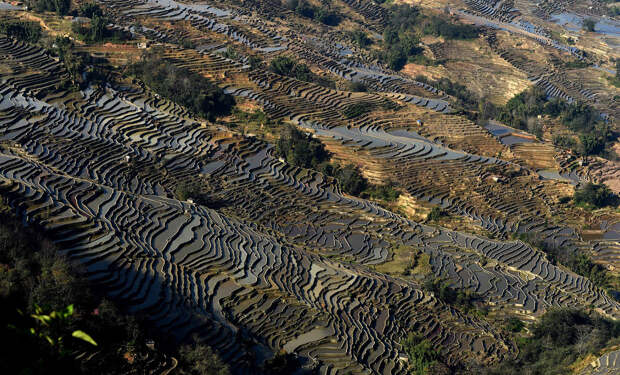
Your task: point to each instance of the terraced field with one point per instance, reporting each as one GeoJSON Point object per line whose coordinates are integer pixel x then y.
{"type": "Point", "coordinates": [280, 258]}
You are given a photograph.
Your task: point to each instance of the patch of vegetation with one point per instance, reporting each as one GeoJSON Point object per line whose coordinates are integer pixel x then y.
{"type": "Point", "coordinates": [324, 15]}
{"type": "Point", "coordinates": [436, 214]}
{"type": "Point", "coordinates": [357, 109]}
{"type": "Point", "coordinates": [96, 30]}
{"type": "Point", "coordinates": [360, 38]}
{"type": "Point", "coordinates": [514, 325]}
{"type": "Point", "coordinates": [596, 195]}
{"type": "Point", "coordinates": [282, 364]}
{"type": "Point", "coordinates": [51, 315]}
{"type": "Point", "coordinates": [422, 355]}
{"type": "Point", "coordinates": [521, 112]}
{"type": "Point", "coordinates": [191, 90]}
{"type": "Point", "coordinates": [463, 300]}
{"type": "Point", "coordinates": [300, 149]}
{"type": "Point", "coordinates": [26, 31]}
{"type": "Point", "coordinates": [589, 24]}
{"type": "Point", "coordinates": [349, 177]}
{"type": "Point", "coordinates": [560, 338]}
{"type": "Point", "coordinates": [406, 24]}
{"type": "Point", "coordinates": [60, 7]}
{"type": "Point", "coordinates": [385, 192]}
{"type": "Point", "coordinates": [287, 66]}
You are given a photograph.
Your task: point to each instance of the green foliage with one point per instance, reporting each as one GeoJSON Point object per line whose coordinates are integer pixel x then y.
{"type": "Point", "coordinates": [199, 359]}
{"type": "Point", "coordinates": [578, 117]}
{"type": "Point", "coordinates": [360, 38]}
{"type": "Point", "coordinates": [286, 66]}
{"type": "Point", "coordinates": [406, 24]}
{"type": "Point", "coordinates": [350, 179]}
{"type": "Point", "coordinates": [436, 214]}
{"type": "Point", "coordinates": [96, 30]}
{"type": "Point", "coordinates": [62, 317]}
{"type": "Point", "coordinates": [597, 195]}
{"type": "Point", "coordinates": [463, 300]}
{"type": "Point", "coordinates": [90, 10]}
{"type": "Point", "coordinates": [52, 327]}
{"type": "Point", "coordinates": [300, 149]}
{"type": "Point", "coordinates": [29, 32]}
{"type": "Point", "coordinates": [357, 86]}
{"type": "Point", "coordinates": [589, 24]}
{"type": "Point", "coordinates": [514, 325]}
{"type": "Point", "coordinates": [422, 355]}
{"type": "Point", "coordinates": [386, 192]}
{"type": "Point", "coordinates": [282, 364]}
{"type": "Point", "coordinates": [61, 7]}
{"type": "Point", "coordinates": [357, 109]}
{"type": "Point", "coordinates": [189, 89]}
{"type": "Point", "coordinates": [561, 337]}
{"type": "Point", "coordinates": [441, 27]}
{"type": "Point", "coordinates": [320, 14]}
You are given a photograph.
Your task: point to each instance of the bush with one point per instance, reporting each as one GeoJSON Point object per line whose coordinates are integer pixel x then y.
{"type": "Point", "coordinates": [436, 214]}
{"type": "Point", "coordinates": [597, 195]}
{"type": "Point", "coordinates": [191, 90]}
{"type": "Point", "coordinates": [589, 24]}
{"type": "Point", "coordinates": [422, 355]}
{"type": "Point", "coordinates": [29, 32]}
{"type": "Point", "coordinates": [36, 279]}
{"type": "Point", "coordinates": [282, 364]}
{"type": "Point", "coordinates": [321, 14]}
{"type": "Point", "coordinates": [286, 66]}
{"type": "Point", "coordinates": [61, 7]}
{"type": "Point", "coordinates": [360, 38]}
{"type": "Point", "coordinates": [300, 149]}
{"type": "Point", "coordinates": [561, 337]}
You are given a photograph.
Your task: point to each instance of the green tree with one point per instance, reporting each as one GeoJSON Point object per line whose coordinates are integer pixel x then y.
{"type": "Point", "coordinates": [422, 355]}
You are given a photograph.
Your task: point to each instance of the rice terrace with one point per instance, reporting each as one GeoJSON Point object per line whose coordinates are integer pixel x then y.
{"type": "Point", "coordinates": [310, 187]}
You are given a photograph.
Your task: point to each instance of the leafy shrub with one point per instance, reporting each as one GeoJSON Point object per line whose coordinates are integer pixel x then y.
{"type": "Point", "coordinates": [286, 66]}
{"type": "Point", "coordinates": [597, 195]}
{"type": "Point", "coordinates": [300, 149]}
{"type": "Point", "coordinates": [360, 38]}
{"type": "Point", "coordinates": [61, 7]}
{"type": "Point", "coordinates": [189, 89]}
{"type": "Point", "coordinates": [29, 32]}
{"type": "Point", "coordinates": [589, 24]}
{"type": "Point", "coordinates": [436, 214]}
{"type": "Point", "coordinates": [422, 355]}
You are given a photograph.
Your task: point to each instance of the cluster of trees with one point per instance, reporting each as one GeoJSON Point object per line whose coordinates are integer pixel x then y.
{"type": "Point", "coordinates": [465, 98]}
{"type": "Point", "coordinates": [463, 299]}
{"type": "Point", "coordinates": [436, 214]}
{"type": "Point", "coordinates": [521, 112]}
{"type": "Point", "coordinates": [29, 32]}
{"type": "Point", "coordinates": [576, 261]}
{"type": "Point", "coordinates": [50, 314]}
{"type": "Point", "coordinates": [423, 357]}
{"type": "Point", "coordinates": [360, 38]}
{"type": "Point", "coordinates": [286, 66]}
{"type": "Point", "coordinates": [589, 24]}
{"type": "Point", "coordinates": [60, 7]}
{"type": "Point", "coordinates": [322, 14]}
{"type": "Point", "coordinates": [597, 195]}
{"type": "Point", "coordinates": [191, 90]}
{"type": "Point", "coordinates": [406, 24]}
{"type": "Point", "coordinates": [558, 339]}
{"type": "Point", "coordinates": [95, 30]}
{"type": "Point", "coordinates": [76, 63]}
{"type": "Point", "coordinates": [302, 150]}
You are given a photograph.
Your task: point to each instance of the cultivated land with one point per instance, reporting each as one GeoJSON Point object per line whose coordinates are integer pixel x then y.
{"type": "Point", "coordinates": [264, 256]}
